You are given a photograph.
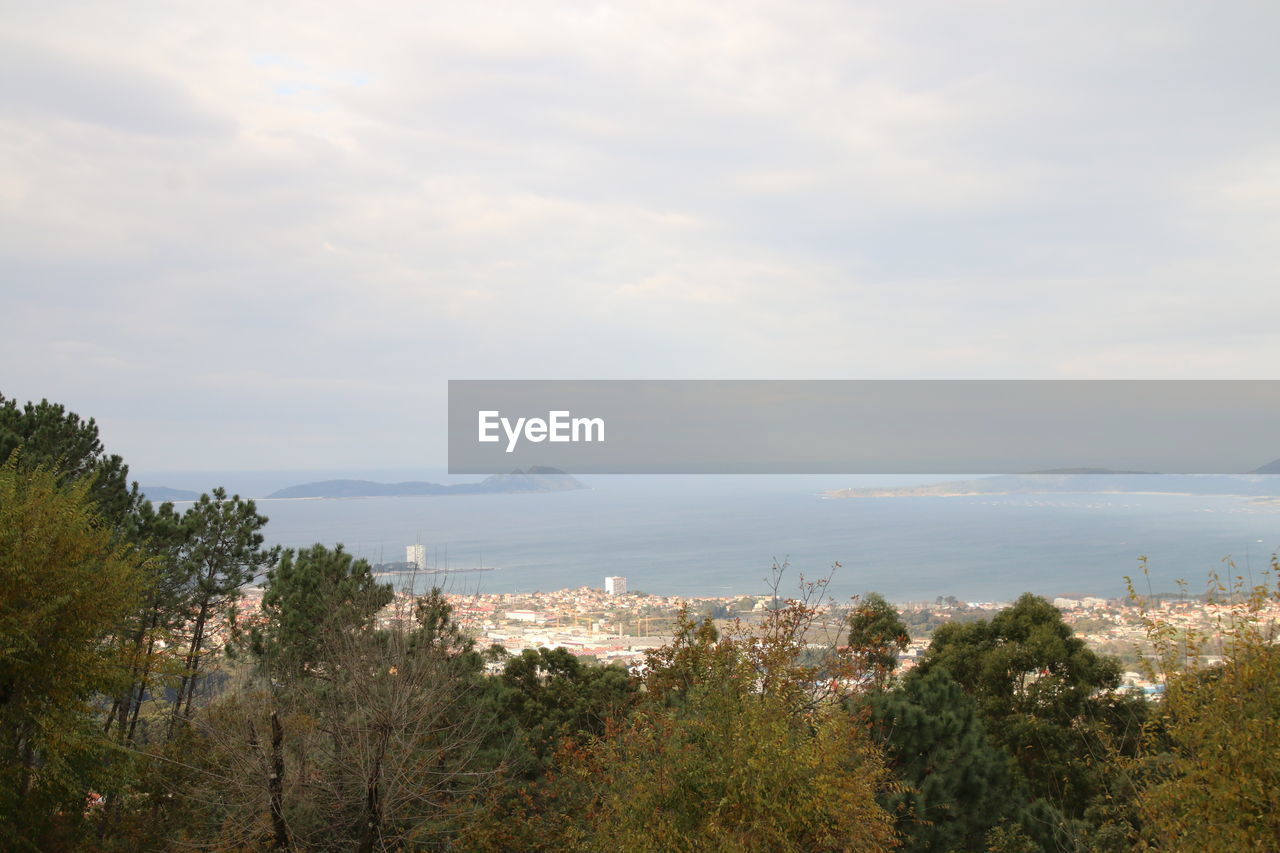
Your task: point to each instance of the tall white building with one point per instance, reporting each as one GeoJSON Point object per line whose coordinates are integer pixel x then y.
{"type": "Point", "coordinates": [615, 586]}
{"type": "Point", "coordinates": [416, 555]}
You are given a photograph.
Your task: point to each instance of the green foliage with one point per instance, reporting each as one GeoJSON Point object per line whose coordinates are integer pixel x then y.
{"type": "Point", "coordinates": [876, 636]}
{"type": "Point", "coordinates": [731, 749]}
{"type": "Point", "coordinates": [435, 627]}
{"type": "Point", "coordinates": [310, 595]}
{"type": "Point", "coordinates": [224, 545]}
{"type": "Point", "coordinates": [47, 437]}
{"type": "Point", "coordinates": [1209, 773]}
{"type": "Point", "coordinates": [1009, 838]}
{"type": "Point", "coordinates": [380, 748]}
{"type": "Point", "coordinates": [1044, 696]}
{"type": "Point", "coordinates": [68, 589]}
{"type": "Point", "coordinates": [552, 695]}
{"type": "Point", "coordinates": [52, 438]}
{"type": "Point", "coordinates": [546, 704]}
{"type": "Point", "coordinates": [1025, 660]}
{"type": "Point", "coordinates": [960, 785]}
{"type": "Point", "coordinates": [222, 551]}
{"type": "Point", "coordinates": [340, 735]}
{"type": "Point", "coordinates": [732, 772]}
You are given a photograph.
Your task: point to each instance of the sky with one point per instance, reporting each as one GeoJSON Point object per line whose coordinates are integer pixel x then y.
{"type": "Point", "coordinates": [248, 235]}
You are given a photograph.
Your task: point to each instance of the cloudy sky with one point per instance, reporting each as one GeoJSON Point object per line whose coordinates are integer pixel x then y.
{"type": "Point", "coordinates": [264, 235]}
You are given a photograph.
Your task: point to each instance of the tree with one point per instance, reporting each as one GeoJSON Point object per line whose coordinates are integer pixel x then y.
{"type": "Point", "coordinates": [1209, 771]}
{"type": "Point", "coordinates": [68, 589]}
{"type": "Point", "coordinates": [1024, 660]}
{"type": "Point", "coordinates": [376, 749]}
{"type": "Point", "coordinates": [308, 596]}
{"type": "Point", "coordinates": [313, 598]}
{"type": "Point", "coordinates": [52, 438]}
{"type": "Point", "coordinates": [732, 748]}
{"type": "Point", "coordinates": [960, 786]}
{"type": "Point", "coordinates": [161, 534]}
{"type": "Point", "coordinates": [552, 695]}
{"type": "Point", "coordinates": [46, 435]}
{"type": "Point", "coordinates": [223, 551]}
{"type": "Point", "coordinates": [1044, 696]}
{"type": "Point", "coordinates": [876, 636]}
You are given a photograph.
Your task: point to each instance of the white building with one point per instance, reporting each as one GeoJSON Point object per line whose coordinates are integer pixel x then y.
{"type": "Point", "coordinates": [615, 586]}
{"type": "Point", "coordinates": [416, 555]}
{"type": "Point", "coordinates": [525, 616]}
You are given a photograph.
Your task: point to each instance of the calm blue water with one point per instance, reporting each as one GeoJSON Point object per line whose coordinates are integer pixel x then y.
{"type": "Point", "coordinates": [720, 535]}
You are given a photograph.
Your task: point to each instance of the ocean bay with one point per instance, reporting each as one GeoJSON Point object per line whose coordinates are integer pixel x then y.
{"type": "Point", "coordinates": [720, 536]}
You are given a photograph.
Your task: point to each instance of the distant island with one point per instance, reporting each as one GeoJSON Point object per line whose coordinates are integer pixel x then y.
{"type": "Point", "coordinates": [1261, 483]}
{"type": "Point", "coordinates": [535, 479]}
{"type": "Point", "coordinates": [164, 493]}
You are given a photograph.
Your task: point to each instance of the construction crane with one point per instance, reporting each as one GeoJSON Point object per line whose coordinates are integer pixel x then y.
{"type": "Point", "coordinates": [644, 622]}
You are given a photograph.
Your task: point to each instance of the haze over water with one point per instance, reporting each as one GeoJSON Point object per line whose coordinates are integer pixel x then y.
{"type": "Point", "coordinates": [720, 535]}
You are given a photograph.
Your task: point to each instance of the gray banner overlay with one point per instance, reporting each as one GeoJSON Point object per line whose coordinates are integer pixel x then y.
{"type": "Point", "coordinates": [863, 426]}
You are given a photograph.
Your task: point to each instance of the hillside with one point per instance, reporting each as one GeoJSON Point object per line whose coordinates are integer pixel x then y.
{"type": "Point", "coordinates": [160, 494]}
{"type": "Point", "coordinates": [535, 479]}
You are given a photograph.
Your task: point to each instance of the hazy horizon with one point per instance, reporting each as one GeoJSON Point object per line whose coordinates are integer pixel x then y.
{"type": "Point", "coordinates": [267, 238]}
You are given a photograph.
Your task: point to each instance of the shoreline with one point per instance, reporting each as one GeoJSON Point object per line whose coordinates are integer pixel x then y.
{"type": "Point", "coordinates": [842, 494]}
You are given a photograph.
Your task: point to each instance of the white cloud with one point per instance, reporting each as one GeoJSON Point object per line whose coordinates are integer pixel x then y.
{"type": "Point", "coordinates": [339, 206]}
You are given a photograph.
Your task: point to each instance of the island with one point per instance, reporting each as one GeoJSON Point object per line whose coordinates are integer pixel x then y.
{"type": "Point", "coordinates": [535, 479]}
{"type": "Point", "coordinates": [164, 493]}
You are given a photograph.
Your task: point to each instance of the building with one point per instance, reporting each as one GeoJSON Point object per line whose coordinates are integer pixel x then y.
{"type": "Point", "coordinates": [416, 555]}
{"type": "Point", "coordinates": [525, 616]}
{"type": "Point", "coordinates": [615, 586]}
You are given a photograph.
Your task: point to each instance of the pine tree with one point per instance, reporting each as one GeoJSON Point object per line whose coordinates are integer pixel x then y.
{"type": "Point", "coordinates": [46, 435]}
{"type": "Point", "coordinates": [1045, 697]}
{"type": "Point", "coordinates": [223, 551]}
{"type": "Point", "coordinates": [959, 783]}
{"type": "Point", "coordinates": [52, 438]}
{"type": "Point", "coordinates": [310, 596]}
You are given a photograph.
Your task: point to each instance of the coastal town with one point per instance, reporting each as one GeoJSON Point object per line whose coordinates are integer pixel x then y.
{"type": "Point", "coordinates": [610, 624]}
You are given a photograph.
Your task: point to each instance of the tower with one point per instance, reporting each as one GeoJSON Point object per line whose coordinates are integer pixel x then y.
{"type": "Point", "coordinates": [416, 556]}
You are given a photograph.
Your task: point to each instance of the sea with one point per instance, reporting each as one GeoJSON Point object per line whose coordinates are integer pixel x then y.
{"type": "Point", "coordinates": [701, 536]}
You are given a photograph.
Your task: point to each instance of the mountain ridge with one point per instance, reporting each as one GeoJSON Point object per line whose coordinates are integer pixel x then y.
{"type": "Point", "coordinates": [533, 480]}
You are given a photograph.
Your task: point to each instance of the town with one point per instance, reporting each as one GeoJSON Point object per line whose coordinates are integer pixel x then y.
{"type": "Point", "coordinates": [611, 624]}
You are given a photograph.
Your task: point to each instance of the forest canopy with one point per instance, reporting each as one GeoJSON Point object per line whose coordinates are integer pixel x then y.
{"type": "Point", "coordinates": [142, 710]}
